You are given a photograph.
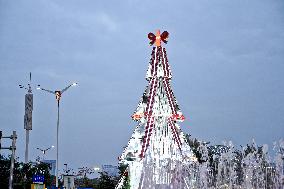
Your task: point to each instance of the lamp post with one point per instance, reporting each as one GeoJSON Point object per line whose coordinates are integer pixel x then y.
{"type": "Point", "coordinates": [44, 151]}
{"type": "Point", "coordinates": [58, 94]}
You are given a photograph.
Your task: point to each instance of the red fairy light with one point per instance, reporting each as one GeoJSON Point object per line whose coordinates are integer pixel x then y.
{"type": "Point", "coordinates": [178, 117]}
{"type": "Point", "coordinates": [125, 173]}
{"type": "Point", "coordinates": [136, 116]}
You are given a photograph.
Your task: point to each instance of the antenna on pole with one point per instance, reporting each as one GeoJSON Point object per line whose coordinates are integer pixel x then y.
{"type": "Point", "coordinates": [28, 114]}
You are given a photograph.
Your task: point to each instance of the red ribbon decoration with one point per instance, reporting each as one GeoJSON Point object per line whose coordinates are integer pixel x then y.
{"type": "Point", "coordinates": [157, 38]}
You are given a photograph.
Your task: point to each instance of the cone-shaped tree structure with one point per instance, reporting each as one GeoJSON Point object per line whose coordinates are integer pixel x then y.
{"type": "Point", "coordinates": [157, 154]}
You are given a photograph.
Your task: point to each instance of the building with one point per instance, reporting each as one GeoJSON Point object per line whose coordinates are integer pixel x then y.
{"type": "Point", "coordinates": [52, 166]}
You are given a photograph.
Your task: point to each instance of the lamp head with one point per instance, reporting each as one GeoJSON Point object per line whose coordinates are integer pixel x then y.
{"type": "Point", "coordinates": [96, 168]}
{"type": "Point", "coordinates": [58, 95]}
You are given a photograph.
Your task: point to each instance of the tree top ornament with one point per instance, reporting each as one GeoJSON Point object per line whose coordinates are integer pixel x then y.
{"type": "Point", "coordinates": [158, 38]}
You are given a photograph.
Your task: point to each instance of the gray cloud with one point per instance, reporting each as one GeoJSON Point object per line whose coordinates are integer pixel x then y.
{"type": "Point", "coordinates": [226, 58]}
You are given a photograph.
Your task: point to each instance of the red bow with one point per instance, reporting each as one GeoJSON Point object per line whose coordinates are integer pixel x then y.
{"type": "Point", "coordinates": [157, 38]}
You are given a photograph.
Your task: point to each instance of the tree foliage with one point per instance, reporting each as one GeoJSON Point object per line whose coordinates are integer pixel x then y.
{"type": "Point", "coordinates": [106, 181]}
{"type": "Point", "coordinates": [23, 173]}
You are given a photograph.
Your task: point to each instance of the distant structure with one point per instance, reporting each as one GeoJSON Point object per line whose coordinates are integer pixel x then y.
{"type": "Point", "coordinates": [111, 170]}
{"type": "Point", "coordinates": [52, 166]}
{"type": "Point", "coordinates": [69, 181]}
{"type": "Point", "coordinates": [28, 115]}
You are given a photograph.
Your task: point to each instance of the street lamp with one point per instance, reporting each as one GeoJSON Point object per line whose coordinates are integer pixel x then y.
{"type": "Point", "coordinates": [44, 151]}
{"type": "Point", "coordinates": [58, 94]}
{"type": "Point", "coordinates": [85, 170]}
{"type": "Point", "coordinates": [96, 168]}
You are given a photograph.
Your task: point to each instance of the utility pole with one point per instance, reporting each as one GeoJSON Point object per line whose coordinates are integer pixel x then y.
{"type": "Point", "coordinates": [28, 115]}
{"type": "Point", "coordinates": [13, 149]}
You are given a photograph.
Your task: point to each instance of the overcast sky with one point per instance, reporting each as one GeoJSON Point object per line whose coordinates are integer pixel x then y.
{"type": "Point", "coordinates": [227, 59]}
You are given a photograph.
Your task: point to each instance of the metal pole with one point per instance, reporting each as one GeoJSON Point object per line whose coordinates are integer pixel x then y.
{"type": "Point", "coordinates": [13, 148]}
{"type": "Point", "coordinates": [57, 164]}
{"type": "Point", "coordinates": [43, 155]}
{"type": "Point", "coordinates": [265, 177]}
{"type": "Point", "coordinates": [27, 146]}
{"type": "Point", "coordinates": [65, 168]}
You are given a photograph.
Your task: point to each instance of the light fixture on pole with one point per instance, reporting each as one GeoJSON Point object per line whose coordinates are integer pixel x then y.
{"type": "Point", "coordinates": [58, 94]}
{"type": "Point", "coordinates": [44, 151]}
{"type": "Point", "coordinates": [85, 170]}
{"type": "Point", "coordinates": [96, 168]}
{"type": "Point", "coordinates": [28, 115]}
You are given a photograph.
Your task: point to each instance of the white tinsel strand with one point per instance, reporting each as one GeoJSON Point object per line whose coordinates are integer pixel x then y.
{"type": "Point", "coordinates": [165, 66]}
{"type": "Point", "coordinates": [168, 95]}
{"type": "Point", "coordinates": [167, 63]}
{"type": "Point", "coordinates": [172, 93]}
{"type": "Point", "coordinates": [147, 136]}
{"type": "Point", "coordinates": [176, 136]}
{"type": "Point", "coordinates": [153, 61]}
{"type": "Point", "coordinates": [148, 116]}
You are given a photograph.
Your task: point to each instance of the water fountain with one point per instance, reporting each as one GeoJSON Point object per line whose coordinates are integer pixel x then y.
{"type": "Point", "coordinates": [249, 167]}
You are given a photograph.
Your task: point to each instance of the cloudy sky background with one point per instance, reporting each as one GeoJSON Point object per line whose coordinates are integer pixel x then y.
{"type": "Point", "coordinates": [227, 59]}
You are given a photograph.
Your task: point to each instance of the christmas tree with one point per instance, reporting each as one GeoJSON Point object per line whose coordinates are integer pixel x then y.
{"type": "Point", "coordinates": [157, 155]}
